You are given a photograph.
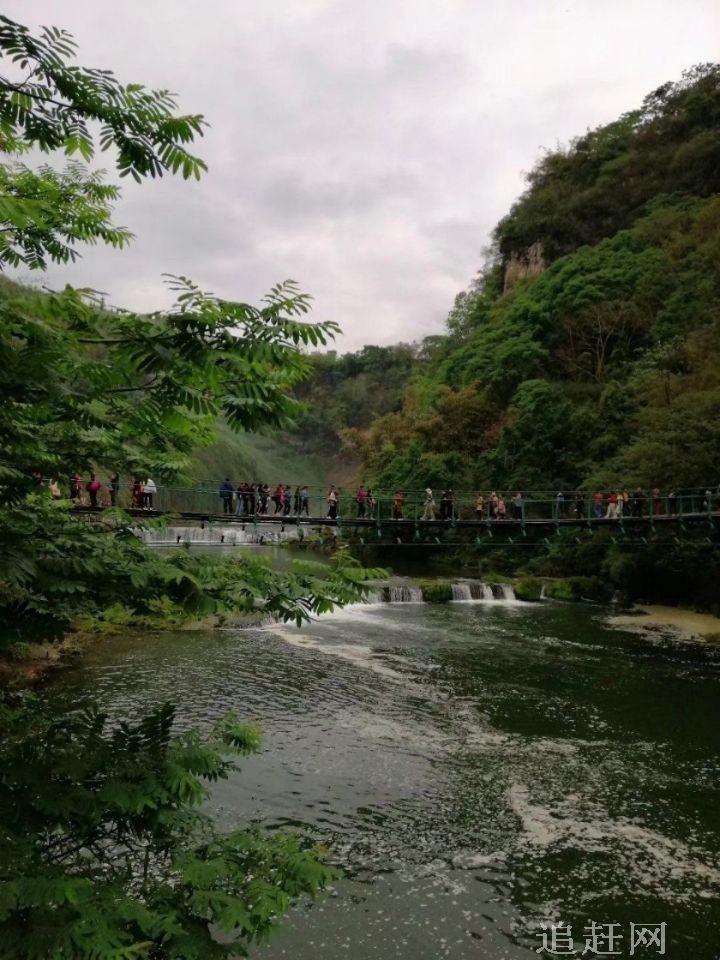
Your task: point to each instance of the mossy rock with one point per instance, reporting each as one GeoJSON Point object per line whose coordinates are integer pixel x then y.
{"type": "Point", "coordinates": [436, 591]}
{"type": "Point", "coordinates": [528, 588]}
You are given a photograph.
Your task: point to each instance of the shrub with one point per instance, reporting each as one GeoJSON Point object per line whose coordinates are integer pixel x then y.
{"type": "Point", "coordinates": [436, 591]}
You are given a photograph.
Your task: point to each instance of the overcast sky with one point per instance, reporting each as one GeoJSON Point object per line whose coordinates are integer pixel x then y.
{"type": "Point", "coordinates": [364, 149]}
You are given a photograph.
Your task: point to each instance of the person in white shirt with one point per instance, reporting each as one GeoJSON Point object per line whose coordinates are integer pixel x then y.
{"type": "Point", "coordinates": [149, 491]}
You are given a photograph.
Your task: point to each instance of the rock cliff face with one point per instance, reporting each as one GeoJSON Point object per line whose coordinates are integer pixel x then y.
{"type": "Point", "coordinates": [519, 266]}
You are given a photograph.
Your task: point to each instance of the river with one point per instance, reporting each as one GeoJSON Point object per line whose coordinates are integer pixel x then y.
{"type": "Point", "coordinates": [476, 769]}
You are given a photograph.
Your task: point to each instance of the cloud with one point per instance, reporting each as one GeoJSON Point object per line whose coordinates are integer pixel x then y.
{"type": "Point", "coordinates": [364, 150]}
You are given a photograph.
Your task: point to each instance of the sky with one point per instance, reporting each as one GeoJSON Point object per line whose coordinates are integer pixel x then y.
{"type": "Point", "coordinates": [365, 150]}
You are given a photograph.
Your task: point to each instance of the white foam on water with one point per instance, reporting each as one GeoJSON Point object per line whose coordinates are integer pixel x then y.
{"type": "Point", "coordinates": [651, 858]}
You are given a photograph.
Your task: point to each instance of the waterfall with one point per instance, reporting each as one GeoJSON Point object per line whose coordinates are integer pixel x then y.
{"type": "Point", "coordinates": [461, 591]}
{"type": "Point", "coordinates": [486, 591]}
{"type": "Point", "coordinates": [215, 535]}
{"type": "Point", "coordinates": [396, 590]}
{"type": "Point", "coordinates": [508, 594]}
{"type": "Point", "coordinates": [404, 593]}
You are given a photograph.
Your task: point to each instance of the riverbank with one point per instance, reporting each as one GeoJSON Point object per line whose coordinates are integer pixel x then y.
{"type": "Point", "coordinates": [656, 618]}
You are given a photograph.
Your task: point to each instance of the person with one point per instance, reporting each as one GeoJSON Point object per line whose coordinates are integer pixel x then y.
{"type": "Point", "coordinates": [624, 503]}
{"type": "Point", "coordinates": [360, 499]}
{"type": "Point", "coordinates": [372, 504]}
{"type": "Point", "coordinates": [560, 502]}
{"type": "Point", "coordinates": [672, 502]}
{"type": "Point", "coordinates": [226, 495]}
{"type": "Point", "coordinates": [445, 505]}
{"type": "Point", "coordinates": [296, 501]}
{"type": "Point", "coordinates": [517, 505]}
{"type": "Point", "coordinates": [252, 499]}
{"type": "Point", "coordinates": [612, 507]}
{"type": "Point", "coordinates": [92, 487]}
{"type": "Point", "coordinates": [264, 496]}
{"type": "Point", "coordinates": [637, 502]}
{"type": "Point", "coordinates": [136, 493]}
{"type": "Point", "coordinates": [332, 502]}
{"type": "Point", "coordinates": [708, 501]}
{"type": "Point", "coordinates": [75, 486]}
{"type": "Point", "coordinates": [398, 504]}
{"type": "Point", "coordinates": [278, 499]}
{"type": "Point", "coordinates": [657, 502]}
{"type": "Point", "coordinates": [451, 504]}
{"type": "Point", "coordinates": [598, 501]}
{"type": "Point", "coordinates": [304, 501]}
{"type": "Point", "coordinates": [493, 505]}
{"type": "Point", "coordinates": [149, 491]}
{"type": "Point", "coordinates": [287, 500]}
{"type": "Point", "coordinates": [114, 486]}
{"type": "Point", "coordinates": [479, 506]}
{"type": "Point", "coordinates": [429, 511]}
{"type": "Point", "coordinates": [54, 488]}
{"type": "Point", "coordinates": [501, 507]}
{"type": "Point", "coordinates": [579, 505]}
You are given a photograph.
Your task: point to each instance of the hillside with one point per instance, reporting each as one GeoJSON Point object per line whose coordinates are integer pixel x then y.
{"type": "Point", "coordinates": [587, 351]}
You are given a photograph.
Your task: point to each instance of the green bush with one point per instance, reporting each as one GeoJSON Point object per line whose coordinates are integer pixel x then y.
{"type": "Point", "coordinates": [436, 591]}
{"type": "Point", "coordinates": [578, 588]}
{"type": "Point", "coordinates": [528, 588]}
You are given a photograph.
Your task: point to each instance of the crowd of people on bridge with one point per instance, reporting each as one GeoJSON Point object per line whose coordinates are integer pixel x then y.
{"type": "Point", "coordinates": [282, 500]}
{"type": "Point", "coordinates": [91, 492]}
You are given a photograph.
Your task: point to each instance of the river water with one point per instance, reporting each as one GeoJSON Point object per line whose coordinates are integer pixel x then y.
{"type": "Point", "coordinates": [476, 769]}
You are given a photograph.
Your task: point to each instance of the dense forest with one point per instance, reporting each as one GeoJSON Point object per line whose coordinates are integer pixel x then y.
{"type": "Point", "coordinates": [587, 350]}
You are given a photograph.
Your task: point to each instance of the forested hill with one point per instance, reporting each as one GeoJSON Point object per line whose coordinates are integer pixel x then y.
{"type": "Point", "coordinates": [587, 351]}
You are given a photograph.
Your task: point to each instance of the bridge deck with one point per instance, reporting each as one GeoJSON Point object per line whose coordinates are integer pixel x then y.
{"type": "Point", "coordinates": [365, 522]}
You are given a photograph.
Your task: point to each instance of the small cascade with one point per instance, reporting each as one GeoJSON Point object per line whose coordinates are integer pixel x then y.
{"type": "Point", "coordinates": [462, 592]}
{"type": "Point", "coordinates": [216, 535]}
{"type": "Point", "coordinates": [404, 593]}
{"type": "Point", "coordinates": [477, 591]}
{"type": "Point", "coordinates": [508, 593]}
{"type": "Point", "coordinates": [394, 591]}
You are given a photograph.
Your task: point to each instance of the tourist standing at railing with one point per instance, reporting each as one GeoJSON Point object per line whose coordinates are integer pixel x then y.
{"type": "Point", "coordinates": [479, 506]}
{"type": "Point", "coordinates": [501, 507]}
{"type": "Point", "coordinates": [304, 501]}
{"type": "Point", "coordinates": [75, 486]}
{"type": "Point", "coordinates": [598, 501]}
{"type": "Point", "coordinates": [277, 499]}
{"type": "Point", "coordinates": [624, 503]}
{"type": "Point", "coordinates": [493, 506]}
{"type": "Point", "coordinates": [287, 500]}
{"type": "Point", "coordinates": [114, 487]}
{"type": "Point", "coordinates": [149, 491]}
{"type": "Point", "coordinates": [637, 502]}
{"type": "Point", "coordinates": [54, 489]}
{"type": "Point", "coordinates": [137, 493]}
{"type": "Point", "coordinates": [517, 506]}
{"type": "Point", "coordinates": [332, 502]}
{"type": "Point", "coordinates": [560, 504]}
{"type": "Point", "coordinates": [93, 486]}
{"type": "Point", "coordinates": [429, 505]}
{"type": "Point", "coordinates": [226, 495]}
{"type": "Point", "coordinates": [360, 499]}
{"type": "Point", "coordinates": [398, 505]}
{"type": "Point", "coordinates": [445, 508]}
{"type": "Point", "coordinates": [296, 501]}
{"type": "Point", "coordinates": [612, 508]}
{"type": "Point", "coordinates": [579, 505]}
{"type": "Point", "coordinates": [372, 504]}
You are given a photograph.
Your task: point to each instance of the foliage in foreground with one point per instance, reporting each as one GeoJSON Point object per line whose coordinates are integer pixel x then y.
{"type": "Point", "coordinates": [106, 855]}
